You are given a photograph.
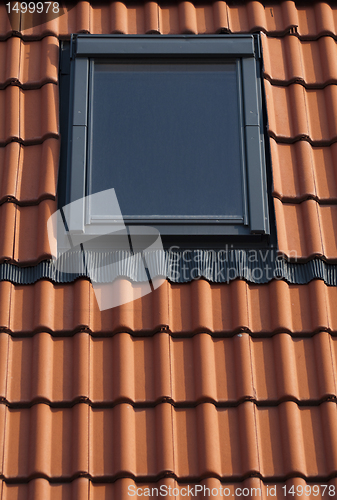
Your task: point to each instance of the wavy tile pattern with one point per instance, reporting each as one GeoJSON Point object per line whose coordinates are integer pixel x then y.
{"type": "Point", "coordinates": [311, 63]}
{"type": "Point", "coordinates": [306, 229]}
{"type": "Point", "coordinates": [192, 443]}
{"type": "Point", "coordinates": [28, 115]}
{"type": "Point", "coordinates": [301, 171]}
{"type": "Point", "coordinates": [297, 113]}
{"type": "Point", "coordinates": [276, 18]}
{"type": "Point", "coordinates": [196, 307]}
{"type": "Point", "coordinates": [147, 370]}
{"type": "Point", "coordinates": [29, 173]}
{"type": "Point", "coordinates": [29, 64]}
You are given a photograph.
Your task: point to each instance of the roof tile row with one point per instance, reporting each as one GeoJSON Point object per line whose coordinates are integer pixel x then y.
{"type": "Point", "coordinates": [31, 115]}
{"type": "Point", "coordinates": [183, 309]}
{"type": "Point", "coordinates": [122, 489]}
{"type": "Point", "coordinates": [304, 230]}
{"type": "Point", "coordinates": [146, 370]}
{"type": "Point", "coordinates": [278, 442]}
{"type": "Point", "coordinates": [277, 18]}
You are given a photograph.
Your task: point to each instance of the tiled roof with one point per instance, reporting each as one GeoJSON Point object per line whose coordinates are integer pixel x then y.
{"type": "Point", "coordinates": [230, 385]}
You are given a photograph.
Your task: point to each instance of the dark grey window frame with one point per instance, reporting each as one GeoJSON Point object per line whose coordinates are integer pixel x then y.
{"type": "Point", "coordinates": [244, 49]}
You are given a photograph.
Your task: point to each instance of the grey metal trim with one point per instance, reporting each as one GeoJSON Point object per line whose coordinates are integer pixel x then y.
{"type": "Point", "coordinates": [80, 112]}
{"type": "Point", "coordinates": [257, 189]}
{"type": "Point", "coordinates": [182, 266]}
{"type": "Point", "coordinates": [240, 47]}
{"type": "Point", "coordinates": [159, 45]}
{"type": "Point", "coordinates": [249, 77]}
{"type": "Point", "coordinates": [77, 182]}
{"type": "Point", "coordinates": [256, 186]}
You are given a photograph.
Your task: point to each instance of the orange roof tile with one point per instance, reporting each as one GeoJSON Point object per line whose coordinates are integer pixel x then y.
{"type": "Point", "coordinates": [29, 64]}
{"type": "Point", "coordinates": [296, 113]}
{"type": "Point", "coordinates": [301, 171]}
{"type": "Point", "coordinates": [306, 229]}
{"type": "Point", "coordinates": [28, 115]}
{"type": "Point", "coordinates": [29, 173]}
{"type": "Point", "coordinates": [313, 63]}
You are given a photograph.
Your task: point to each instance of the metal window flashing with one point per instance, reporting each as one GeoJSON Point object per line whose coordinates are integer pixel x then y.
{"type": "Point", "coordinates": [205, 264]}
{"type": "Point", "coordinates": [167, 45]}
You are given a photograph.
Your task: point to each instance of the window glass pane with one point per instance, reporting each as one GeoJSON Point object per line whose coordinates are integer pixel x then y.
{"type": "Point", "coordinates": [166, 136]}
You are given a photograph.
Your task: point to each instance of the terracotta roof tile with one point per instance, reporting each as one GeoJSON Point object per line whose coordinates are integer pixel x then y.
{"type": "Point", "coordinates": [317, 20]}
{"type": "Point", "coordinates": [41, 489]}
{"type": "Point", "coordinates": [144, 370]}
{"type": "Point", "coordinates": [28, 115]}
{"type": "Point", "coordinates": [301, 171]}
{"type": "Point", "coordinates": [306, 229]}
{"type": "Point", "coordinates": [270, 308]}
{"type": "Point", "coordinates": [295, 113]}
{"type": "Point", "coordinates": [29, 64]}
{"type": "Point", "coordinates": [29, 173]}
{"type": "Point", "coordinates": [299, 229]}
{"type": "Point", "coordinates": [31, 241]}
{"type": "Point", "coordinates": [311, 62]}
{"type": "Point", "coordinates": [286, 440]}
{"type": "Point", "coordinates": [46, 433]}
{"type": "Point", "coordinates": [39, 113]}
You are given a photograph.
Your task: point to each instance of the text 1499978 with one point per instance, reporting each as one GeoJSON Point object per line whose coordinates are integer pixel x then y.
{"type": "Point", "coordinates": [32, 7]}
